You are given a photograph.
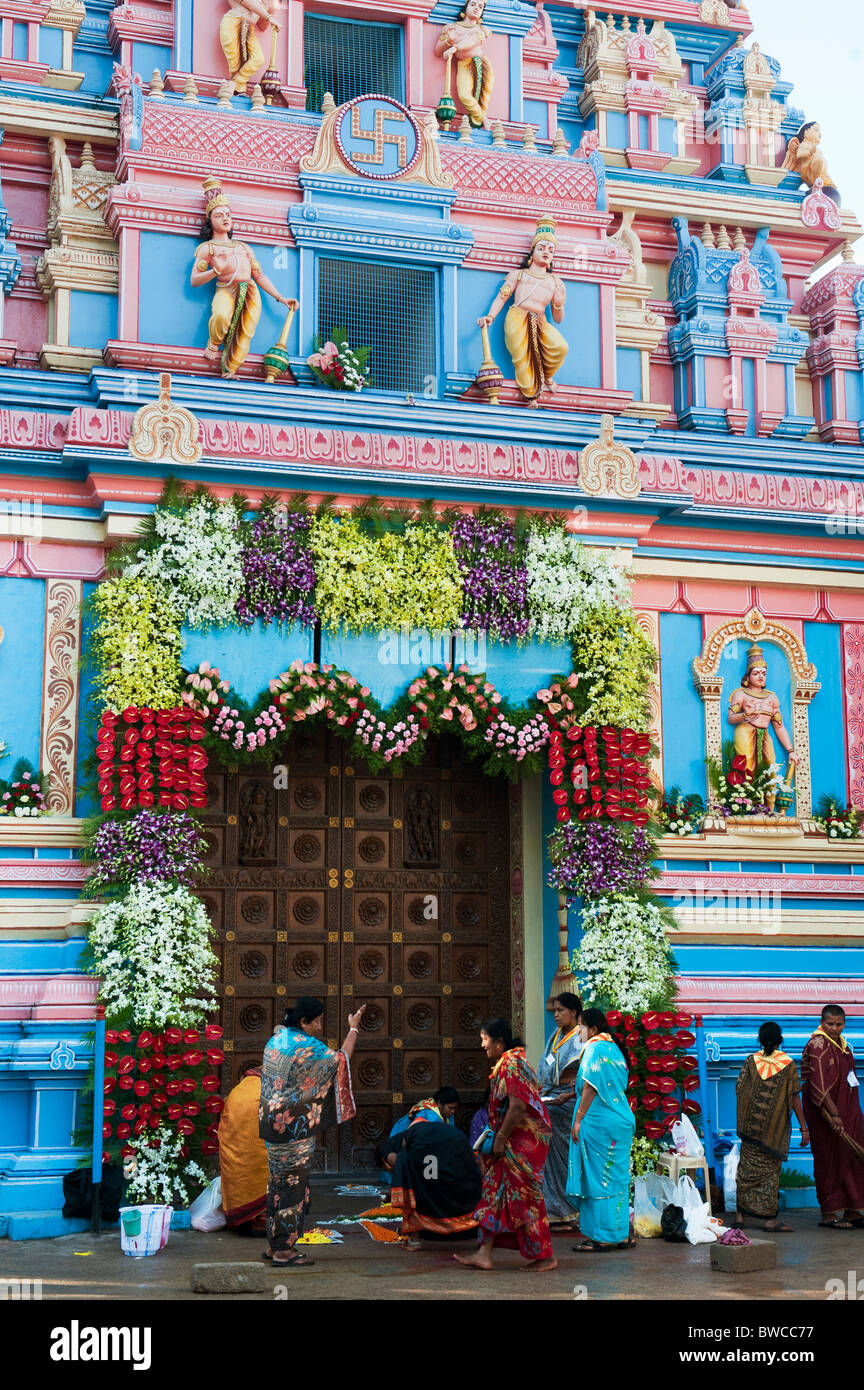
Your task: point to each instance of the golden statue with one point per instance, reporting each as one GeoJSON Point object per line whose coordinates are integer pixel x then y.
{"type": "Point", "coordinates": [753, 710]}
{"type": "Point", "coordinates": [238, 35]}
{"type": "Point", "coordinates": [237, 300]}
{"type": "Point", "coordinates": [475, 79]}
{"type": "Point", "coordinates": [535, 345]}
{"type": "Point", "coordinates": [804, 158]}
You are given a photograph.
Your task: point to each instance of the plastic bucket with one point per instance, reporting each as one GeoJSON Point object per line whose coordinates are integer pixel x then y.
{"type": "Point", "coordinates": [144, 1230]}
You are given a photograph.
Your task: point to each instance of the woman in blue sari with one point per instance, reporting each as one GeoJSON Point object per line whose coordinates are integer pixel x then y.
{"type": "Point", "coordinates": [600, 1140]}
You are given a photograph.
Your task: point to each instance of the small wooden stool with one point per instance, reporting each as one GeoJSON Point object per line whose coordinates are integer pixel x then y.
{"type": "Point", "coordinates": [676, 1164]}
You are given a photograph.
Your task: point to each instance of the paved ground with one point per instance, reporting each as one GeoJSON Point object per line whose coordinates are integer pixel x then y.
{"type": "Point", "coordinates": [83, 1267]}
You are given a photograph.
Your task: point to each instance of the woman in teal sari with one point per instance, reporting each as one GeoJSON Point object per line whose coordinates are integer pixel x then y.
{"type": "Point", "coordinates": [600, 1140]}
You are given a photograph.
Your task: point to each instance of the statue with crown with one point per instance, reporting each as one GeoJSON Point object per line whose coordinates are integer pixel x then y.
{"type": "Point", "coordinates": [754, 711]}
{"type": "Point", "coordinates": [238, 278]}
{"type": "Point", "coordinates": [535, 345]}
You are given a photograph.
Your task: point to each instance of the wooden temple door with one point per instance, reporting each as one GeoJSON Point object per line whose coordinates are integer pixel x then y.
{"type": "Point", "coordinates": [389, 889]}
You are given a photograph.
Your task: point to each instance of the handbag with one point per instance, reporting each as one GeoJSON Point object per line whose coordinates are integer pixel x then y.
{"type": "Point", "coordinates": [483, 1143]}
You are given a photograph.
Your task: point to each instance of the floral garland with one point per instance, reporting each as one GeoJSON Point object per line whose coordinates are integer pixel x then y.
{"type": "Point", "coordinates": [506, 740]}
{"type": "Point", "coordinates": [278, 569]}
{"type": "Point", "coordinates": [151, 950]}
{"type": "Point", "coordinates": [161, 1093]}
{"type": "Point", "coordinates": [494, 576]}
{"type": "Point", "coordinates": [380, 582]}
{"type": "Point", "coordinates": [196, 561]}
{"type": "Point", "coordinates": [662, 1073]}
{"type": "Point", "coordinates": [624, 958]}
{"type": "Point", "coordinates": [567, 581]}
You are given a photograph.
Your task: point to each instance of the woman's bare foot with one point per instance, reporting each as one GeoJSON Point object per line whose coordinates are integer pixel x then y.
{"type": "Point", "coordinates": [482, 1259]}
{"type": "Point", "coordinates": [413, 1245]}
{"type": "Point", "coordinates": [540, 1266]}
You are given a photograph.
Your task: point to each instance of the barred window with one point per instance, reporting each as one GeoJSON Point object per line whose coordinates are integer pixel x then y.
{"type": "Point", "coordinates": [350, 59]}
{"type": "Point", "coordinates": [392, 309]}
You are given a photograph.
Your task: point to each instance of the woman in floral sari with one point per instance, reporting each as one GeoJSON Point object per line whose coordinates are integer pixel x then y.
{"type": "Point", "coordinates": [601, 1139]}
{"type": "Point", "coordinates": [296, 1075]}
{"type": "Point", "coordinates": [513, 1150]}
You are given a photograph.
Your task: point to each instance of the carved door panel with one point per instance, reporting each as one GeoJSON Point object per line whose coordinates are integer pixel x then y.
{"type": "Point", "coordinates": [425, 939]}
{"type": "Point", "coordinates": [384, 889]}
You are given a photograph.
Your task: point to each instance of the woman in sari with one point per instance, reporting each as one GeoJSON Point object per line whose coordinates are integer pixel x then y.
{"type": "Point", "coordinates": [296, 1077]}
{"type": "Point", "coordinates": [557, 1074]}
{"type": "Point", "coordinates": [436, 1180]}
{"type": "Point", "coordinates": [768, 1090]}
{"type": "Point", "coordinates": [512, 1151]}
{"type": "Point", "coordinates": [601, 1139]}
{"type": "Point", "coordinates": [243, 1157]}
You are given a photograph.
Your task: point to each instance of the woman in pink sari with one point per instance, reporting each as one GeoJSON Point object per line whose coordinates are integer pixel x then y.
{"type": "Point", "coordinates": [512, 1151]}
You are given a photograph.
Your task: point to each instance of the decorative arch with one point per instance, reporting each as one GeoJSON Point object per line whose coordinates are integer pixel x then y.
{"type": "Point", "coordinates": [754, 626]}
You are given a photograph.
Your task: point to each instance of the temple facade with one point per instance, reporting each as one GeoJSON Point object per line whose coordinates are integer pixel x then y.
{"type": "Point", "coordinates": [586, 256]}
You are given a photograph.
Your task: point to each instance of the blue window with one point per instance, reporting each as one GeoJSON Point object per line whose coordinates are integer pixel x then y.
{"type": "Point", "coordinates": [350, 59]}
{"type": "Point", "coordinates": [391, 309]}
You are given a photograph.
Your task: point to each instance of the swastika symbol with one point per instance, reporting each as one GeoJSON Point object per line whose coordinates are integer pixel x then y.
{"type": "Point", "coordinates": [379, 137]}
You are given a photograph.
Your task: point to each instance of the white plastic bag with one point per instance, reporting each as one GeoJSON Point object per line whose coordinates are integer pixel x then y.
{"type": "Point", "coordinates": [660, 1189]}
{"type": "Point", "coordinates": [730, 1178]}
{"type": "Point", "coordinates": [205, 1213]}
{"type": "Point", "coordinates": [646, 1214]}
{"type": "Point", "coordinates": [686, 1140]}
{"type": "Point", "coordinates": [697, 1214]}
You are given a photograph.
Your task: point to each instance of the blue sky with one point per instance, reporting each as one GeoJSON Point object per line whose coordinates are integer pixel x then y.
{"type": "Point", "coordinates": [821, 51]}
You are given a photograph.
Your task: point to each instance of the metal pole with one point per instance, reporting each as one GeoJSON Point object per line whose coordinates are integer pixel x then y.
{"type": "Point", "coordinates": [707, 1123]}
{"type": "Point", "coordinates": [98, 1119]}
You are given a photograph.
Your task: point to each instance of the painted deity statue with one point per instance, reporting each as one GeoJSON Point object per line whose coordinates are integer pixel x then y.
{"type": "Point", "coordinates": [806, 159]}
{"type": "Point", "coordinates": [753, 710]}
{"type": "Point", "coordinates": [475, 79]}
{"type": "Point", "coordinates": [237, 299]}
{"type": "Point", "coordinates": [535, 345]}
{"type": "Point", "coordinates": [238, 35]}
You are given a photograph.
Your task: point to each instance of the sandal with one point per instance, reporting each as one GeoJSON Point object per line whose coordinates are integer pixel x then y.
{"type": "Point", "coordinates": [781, 1230]}
{"type": "Point", "coordinates": [836, 1225]}
{"type": "Point", "coordinates": [586, 1247]}
{"type": "Point", "coordinates": [294, 1261]}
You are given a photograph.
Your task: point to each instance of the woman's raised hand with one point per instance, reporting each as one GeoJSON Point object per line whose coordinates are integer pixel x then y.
{"type": "Point", "coordinates": [354, 1019]}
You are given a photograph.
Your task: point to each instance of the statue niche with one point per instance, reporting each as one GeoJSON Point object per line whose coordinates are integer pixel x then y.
{"type": "Point", "coordinates": [256, 825]}
{"type": "Point", "coordinates": [421, 829]}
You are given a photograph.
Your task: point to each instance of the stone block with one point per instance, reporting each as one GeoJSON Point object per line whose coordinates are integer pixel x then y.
{"type": "Point", "coordinates": [234, 1277]}
{"type": "Point", "coordinates": [744, 1259]}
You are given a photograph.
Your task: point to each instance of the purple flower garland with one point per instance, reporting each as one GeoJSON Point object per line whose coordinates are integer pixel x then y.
{"type": "Point", "coordinates": [592, 859]}
{"type": "Point", "coordinates": [153, 846]}
{"type": "Point", "coordinates": [278, 571]}
{"type": "Point", "coordinates": [494, 576]}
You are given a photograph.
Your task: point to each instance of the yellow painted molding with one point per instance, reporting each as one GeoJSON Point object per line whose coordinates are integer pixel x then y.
{"type": "Point", "coordinates": [45, 832]}
{"type": "Point", "coordinates": [770, 845]}
{"type": "Point", "coordinates": [699, 205]}
{"type": "Point", "coordinates": [43, 919]}
{"type": "Point", "coordinates": [22, 116]}
{"type": "Point", "coordinates": [713, 926]}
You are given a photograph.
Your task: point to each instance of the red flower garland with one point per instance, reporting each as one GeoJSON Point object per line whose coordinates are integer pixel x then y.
{"type": "Point", "coordinates": [661, 1072]}
{"type": "Point", "coordinates": [607, 769]}
{"type": "Point", "coordinates": [147, 757]}
{"type": "Point", "coordinates": [156, 1077]}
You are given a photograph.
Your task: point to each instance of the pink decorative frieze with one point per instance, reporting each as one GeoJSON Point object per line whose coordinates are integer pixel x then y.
{"type": "Point", "coordinates": [709, 886]}
{"type": "Point", "coordinates": [57, 997]}
{"type": "Point", "coordinates": [764, 996]}
{"type": "Point", "coordinates": [42, 873]}
{"type": "Point", "coordinates": [853, 670]}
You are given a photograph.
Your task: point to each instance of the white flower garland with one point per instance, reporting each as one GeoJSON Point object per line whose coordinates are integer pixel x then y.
{"type": "Point", "coordinates": [624, 956]}
{"type": "Point", "coordinates": [152, 950]}
{"type": "Point", "coordinates": [197, 562]}
{"type": "Point", "coordinates": [158, 1168]}
{"type": "Point", "coordinates": [565, 580]}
